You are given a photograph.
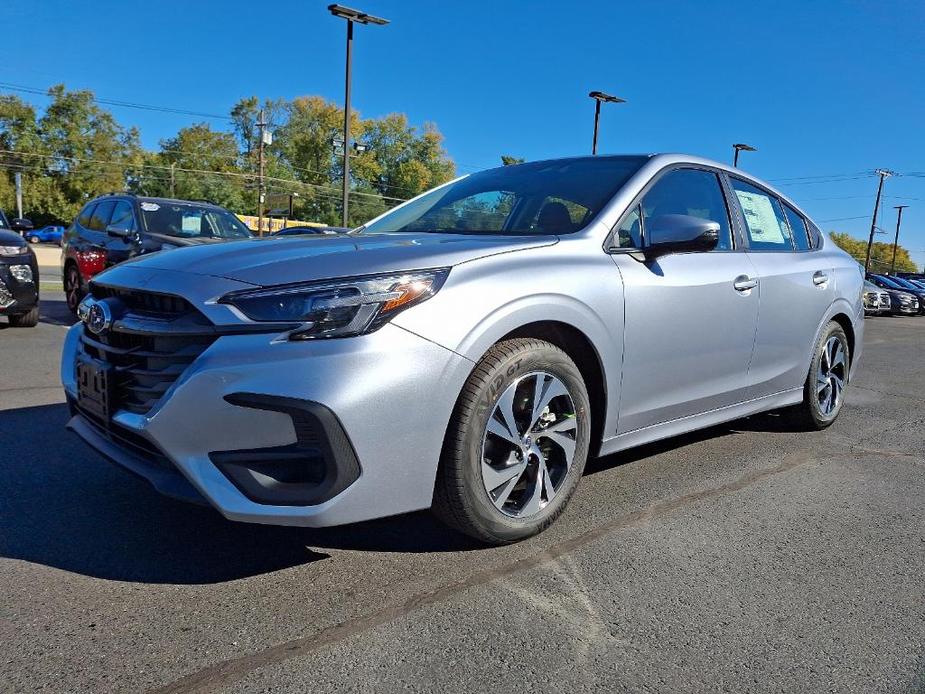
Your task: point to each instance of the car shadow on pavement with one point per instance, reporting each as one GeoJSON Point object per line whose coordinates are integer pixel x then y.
{"type": "Point", "coordinates": [55, 312]}
{"type": "Point", "coordinates": [63, 505]}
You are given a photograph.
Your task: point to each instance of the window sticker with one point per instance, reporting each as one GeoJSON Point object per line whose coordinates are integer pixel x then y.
{"type": "Point", "coordinates": [760, 217]}
{"type": "Point", "coordinates": [150, 206]}
{"type": "Point", "coordinates": [192, 223]}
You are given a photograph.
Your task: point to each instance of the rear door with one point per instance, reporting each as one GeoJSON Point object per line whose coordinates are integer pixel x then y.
{"type": "Point", "coordinates": [690, 317]}
{"type": "Point", "coordinates": [796, 286]}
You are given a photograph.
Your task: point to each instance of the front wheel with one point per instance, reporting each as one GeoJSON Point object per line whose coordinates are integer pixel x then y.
{"type": "Point", "coordinates": [33, 239]}
{"type": "Point", "coordinates": [824, 390]}
{"type": "Point", "coordinates": [26, 320]}
{"type": "Point", "coordinates": [72, 291]}
{"type": "Point", "coordinates": [517, 443]}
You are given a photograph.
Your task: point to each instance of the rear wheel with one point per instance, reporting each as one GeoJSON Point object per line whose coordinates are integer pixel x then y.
{"type": "Point", "coordinates": [824, 390]}
{"type": "Point", "coordinates": [33, 239]}
{"type": "Point", "coordinates": [72, 291]}
{"type": "Point", "coordinates": [26, 320]}
{"type": "Point", "coordinates": [517, 444]}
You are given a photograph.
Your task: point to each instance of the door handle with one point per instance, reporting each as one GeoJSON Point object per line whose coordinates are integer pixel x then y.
{"type": "Point", "coordinates": [743, 283]}
{"type": "Point", "coordinates": [819, 277]}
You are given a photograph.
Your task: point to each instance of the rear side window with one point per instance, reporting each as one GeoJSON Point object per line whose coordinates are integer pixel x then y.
{"type": "Point", "coordinates": [84, 218]}
{"type": "Point", "coordinates": [764, 219]}
{"type": "Point", "coordinates": [100, 217]}
{"type": "Point", "coordinates": [686, 191]}
{"type": "Point", "coordinates": [797, 228]}
{"type": "Point", "coordinates": [815, 236]}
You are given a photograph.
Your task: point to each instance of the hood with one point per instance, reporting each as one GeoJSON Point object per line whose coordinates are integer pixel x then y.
{"type": "Point", "coordinates": [287, 259]}
{"type": "Point", "coordinates": [11, 238]}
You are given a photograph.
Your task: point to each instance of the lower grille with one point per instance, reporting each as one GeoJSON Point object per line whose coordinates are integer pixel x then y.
{"type": "Point", "coordinates": [126, 438]}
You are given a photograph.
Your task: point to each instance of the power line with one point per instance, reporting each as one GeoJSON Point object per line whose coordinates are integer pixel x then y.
{"type": "Point", "coordinates": [118, 102]}
{"type": "Point", "coordinates": [131, 165]}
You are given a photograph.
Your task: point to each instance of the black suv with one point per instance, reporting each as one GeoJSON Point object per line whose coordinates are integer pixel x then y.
{"type": "Point", "coordinates": [19, 275]}
{"type": "Point", "coordinates": [114, 228]}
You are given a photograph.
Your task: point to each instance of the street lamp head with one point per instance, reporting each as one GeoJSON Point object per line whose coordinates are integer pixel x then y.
{"type": "Point", "coordinates": [355, 15]}
{"type": "Point", "coordinates": [740, 146]}
{"type": "Point", "coordinates": [608, 98]}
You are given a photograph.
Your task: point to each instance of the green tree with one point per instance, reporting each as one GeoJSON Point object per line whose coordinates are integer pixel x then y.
{"type": "Point", "coordinates": [881, 254]}
{"type": "Point", "coordinates": [204, 167]}
{"type": "Point", "coordinates": [508, 160]}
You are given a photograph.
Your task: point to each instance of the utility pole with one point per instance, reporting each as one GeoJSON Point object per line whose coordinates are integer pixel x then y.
{"type": "Point", "coordinates": [884, 174]}
{"type": "Point", "coordinates": [899, 220]}
{"type": "Point", "coordinates": [261, 124]}
{"type": "Point", "coordinates": [18, 178]}
{"type": "Point", "coordinates": [173, 165]}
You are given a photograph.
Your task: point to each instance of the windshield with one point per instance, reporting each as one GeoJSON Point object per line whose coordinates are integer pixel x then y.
{"type": "Point", "coordinates": [547, 197]}
{"type": "Point", "coordinates": [888, 282]}
{"type": "Point", "coordinates": [905, 284]}
{"type": "Point", "coordinates": [189, 220]}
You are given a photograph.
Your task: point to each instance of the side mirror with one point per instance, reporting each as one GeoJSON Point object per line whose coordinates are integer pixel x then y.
{"type": "Point", "coordinates": [679, 233]}
{"type": "Point", "coordinates": [21, 224]}
{"type": "Point", "coordinates": [116, 231]}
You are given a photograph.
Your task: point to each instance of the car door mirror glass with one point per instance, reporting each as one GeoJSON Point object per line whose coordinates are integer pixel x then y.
{"type": "Point", "coordinates": [114, 230]}
{"type": "Point", "coordinates": [679, 233]}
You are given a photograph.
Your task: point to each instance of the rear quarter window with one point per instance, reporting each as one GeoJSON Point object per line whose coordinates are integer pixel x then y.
{"type": "Point", "coordinates": [84, 218]}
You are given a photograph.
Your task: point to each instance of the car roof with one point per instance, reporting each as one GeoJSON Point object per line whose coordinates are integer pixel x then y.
{"type": "Point", "coordinates": [160, 201]}
{"type": "Point", "coordinates": [660, 160]}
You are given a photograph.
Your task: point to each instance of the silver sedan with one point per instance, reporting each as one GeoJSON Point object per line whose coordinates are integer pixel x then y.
{"type": "Point", "coordinates": [470, 349]}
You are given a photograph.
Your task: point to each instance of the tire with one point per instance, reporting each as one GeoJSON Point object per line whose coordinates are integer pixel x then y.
{"type": "Point", "coordinates": [480, 450]}
{"type": "Point", "coordinates": [33, 239]}
{"type": "Point", "coordinates": [817, 412]}
{"type": "Point", "coordinates": [72, 291]}
{"type": "Point", "coordinates": [26, 320]}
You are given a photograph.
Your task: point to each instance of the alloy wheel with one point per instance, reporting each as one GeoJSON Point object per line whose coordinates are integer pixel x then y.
{"type": "Point", "coordinates": [831, 376]}
{"type": "Point", "coordinates": [528, 444]}
{"type": "Point", "coordinates": [72, 288]}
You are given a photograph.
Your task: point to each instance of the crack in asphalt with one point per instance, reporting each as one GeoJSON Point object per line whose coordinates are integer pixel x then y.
{"type": "Point", "coordinates": [233, 669]}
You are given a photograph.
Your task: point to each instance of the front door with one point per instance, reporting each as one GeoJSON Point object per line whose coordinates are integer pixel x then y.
{"type": "Point", "coordinates": [690, 317]}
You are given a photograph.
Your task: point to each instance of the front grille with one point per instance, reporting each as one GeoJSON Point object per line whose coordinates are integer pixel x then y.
{"type": "Point", "coordinates": [149, 347]}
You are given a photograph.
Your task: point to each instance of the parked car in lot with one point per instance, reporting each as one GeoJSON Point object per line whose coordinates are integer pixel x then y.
{"type": "Point", "coordinates": [302, 230]}
{"type": "Point", "coordinates": [468, 350]}
{"type": "Point", "coordinates": [47, 234]}
{"type": "Point", "coordinates": [113, 228]}
{"type": "Point", "coordinates": [19, 279]}
{"type": "Point", "coordinates": [911, 300]}
{"type": "Point", "coordinates": [876, 300]}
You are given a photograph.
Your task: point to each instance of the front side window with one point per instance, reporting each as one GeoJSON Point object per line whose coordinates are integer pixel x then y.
{"type": "Point", "coordinates": [797, 228]}
{"type": "Point", "coordinates": [100, 217]}
{"type": "Point", "coordinates": [189, 220]}
{"type": "Point", "coordinates": [690, 192]}
{"type": "Point", "coordinates": [122, 217]}
{"type": "Point", "coordinates": [543, 198]}
{"type": "Point", "coordinates": [764, 219]}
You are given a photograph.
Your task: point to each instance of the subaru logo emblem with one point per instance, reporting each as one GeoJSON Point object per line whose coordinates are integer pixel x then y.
{"type": "Point", "coordinates": [99, 318]}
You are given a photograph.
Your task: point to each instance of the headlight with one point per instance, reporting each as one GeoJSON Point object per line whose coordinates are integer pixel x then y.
{"type": "Point", "coordinates": [23, 273]}
{"type": "Point", "coordinates": [339, 308]}
{"type": "Point", "coordinates": [14, 250]}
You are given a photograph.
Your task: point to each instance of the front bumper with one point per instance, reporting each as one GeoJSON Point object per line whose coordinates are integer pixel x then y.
{"type": "Point", "coordinates": [391, 394]}
{"type": "Point", "coordinates": [24, 294]}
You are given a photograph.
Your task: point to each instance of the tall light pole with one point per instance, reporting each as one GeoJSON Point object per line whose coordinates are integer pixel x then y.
{"type": "Point", "coordinates": [598, 98]}
{"type": "Point", "coordinates": [351, 16]}
{"type": "Point", "coordinates": [899, 220]}
{"type": "Point", "coordinates": [741, 147]}
{"type": "Point", "coordinates": [884, 174]}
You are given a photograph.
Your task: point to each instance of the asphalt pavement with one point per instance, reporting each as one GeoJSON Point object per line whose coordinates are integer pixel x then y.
{"type": "Point", "coordinates": [745, 557]}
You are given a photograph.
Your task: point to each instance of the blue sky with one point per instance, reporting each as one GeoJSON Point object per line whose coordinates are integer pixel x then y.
{"type": "Point", "coordinates": [823, 89]}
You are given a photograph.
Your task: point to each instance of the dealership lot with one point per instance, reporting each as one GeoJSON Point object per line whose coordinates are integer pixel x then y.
{"type": "Point", "coordinates": [744, 557]}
